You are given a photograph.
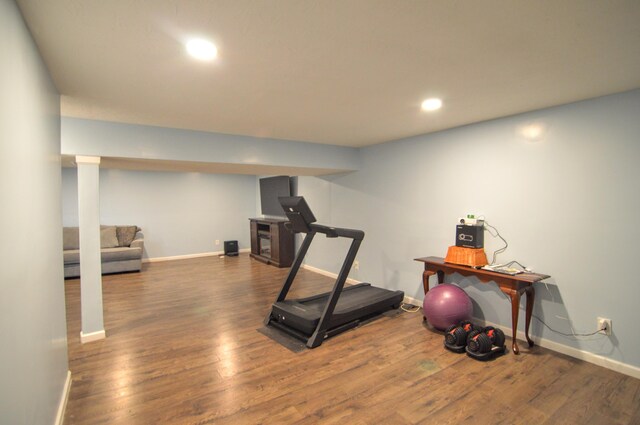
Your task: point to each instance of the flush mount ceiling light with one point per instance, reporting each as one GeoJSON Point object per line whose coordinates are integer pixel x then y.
{"type": "Point", "coordinates": [202, 49]}
{"type": "Point", "coordinates": [432, 104]}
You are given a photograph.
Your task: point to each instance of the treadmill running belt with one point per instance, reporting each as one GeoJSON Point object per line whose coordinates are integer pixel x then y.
{"type": "Point", "coordinates": [355, 302]}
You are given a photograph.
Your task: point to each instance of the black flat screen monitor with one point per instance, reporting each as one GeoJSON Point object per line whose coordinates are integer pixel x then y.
{"type": "Point", "coordinates": [271, 188]}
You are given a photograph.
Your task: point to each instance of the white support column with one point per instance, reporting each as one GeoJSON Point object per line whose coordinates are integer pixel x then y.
{"type": "Point", "coordinates": [90, 264]}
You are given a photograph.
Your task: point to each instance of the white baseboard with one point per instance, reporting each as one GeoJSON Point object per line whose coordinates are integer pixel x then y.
{"type": "Point", "coordinates": [349, 281]}
{"type": "Point", "coordinates": [409, 300]}
{"type": "Point", "coordinates": [187, 256]}
{"type": "Point", "coordinates": [64, 398]}
{"type": "Point", "coordinates": [93, 336]}
{"type": "Point", "coordinates": [586, 356]}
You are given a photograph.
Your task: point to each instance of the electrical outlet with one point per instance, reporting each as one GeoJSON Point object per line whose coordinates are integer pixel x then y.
{"type": "Point", "coordinates": [604, 326]}
{"type": "Point", "coordinates": [356, 265]}
{"type": "Point", "coordinates": [217, 241]}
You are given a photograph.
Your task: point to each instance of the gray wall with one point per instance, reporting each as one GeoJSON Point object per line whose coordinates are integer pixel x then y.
{"type": "Point", "coordinates": [33, 357]}
{"type": "Point", "coordinates": [179, 213]}
{"type": "Point", "coordinates": [566, 204]}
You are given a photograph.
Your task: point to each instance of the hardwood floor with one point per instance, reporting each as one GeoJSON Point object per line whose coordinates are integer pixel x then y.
{"type": "Point", "coordinates": [182, 347]}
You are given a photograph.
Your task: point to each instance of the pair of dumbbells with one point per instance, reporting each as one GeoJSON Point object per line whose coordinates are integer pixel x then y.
{"type": "Point", "coordinates": [479, 343]}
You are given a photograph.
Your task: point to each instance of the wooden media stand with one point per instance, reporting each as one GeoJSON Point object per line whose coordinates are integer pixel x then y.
{"type": "Point", "coordinates": [271, 243]}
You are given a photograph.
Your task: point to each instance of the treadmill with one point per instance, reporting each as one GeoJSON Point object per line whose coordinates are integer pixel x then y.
{"type": "Point", "coordinates": [315, 318]}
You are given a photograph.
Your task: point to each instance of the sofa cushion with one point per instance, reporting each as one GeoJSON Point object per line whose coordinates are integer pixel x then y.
{"type": "Point", "coordinates": [70, 238]}
{"type": "Point", "coordinates": [120, 254]}
{"type": "Point", "coordinates": [108, 237]}
{"type": "Point", "coordinates": [72, 256]}
{"type": "Point", "coordinates": [126, 234]}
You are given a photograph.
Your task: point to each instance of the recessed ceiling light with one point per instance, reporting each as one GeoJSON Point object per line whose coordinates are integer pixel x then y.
{"type": "Point", "coordinates": [533, 131]}
{"type": "Point", "coordinates": [202, 49]}
{"type": "Point", "coordinates": [432, 104]}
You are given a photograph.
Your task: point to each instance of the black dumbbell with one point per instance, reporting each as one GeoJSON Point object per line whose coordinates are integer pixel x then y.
{"type": "Point", "coordinates": [455, 336]}
{"type": "Point", "coordinates": [481, 340]}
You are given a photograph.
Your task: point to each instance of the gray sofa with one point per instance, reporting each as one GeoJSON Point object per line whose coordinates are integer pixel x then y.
{"type": "Point", "coordinates": [120, 249]}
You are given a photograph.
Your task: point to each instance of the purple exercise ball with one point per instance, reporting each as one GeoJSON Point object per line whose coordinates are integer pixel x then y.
{"type": "Point", "coordinates": [446, 305]}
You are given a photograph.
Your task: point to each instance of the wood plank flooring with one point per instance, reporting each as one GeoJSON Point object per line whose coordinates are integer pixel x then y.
{"type": "Point", "coordinates": [182, 347]}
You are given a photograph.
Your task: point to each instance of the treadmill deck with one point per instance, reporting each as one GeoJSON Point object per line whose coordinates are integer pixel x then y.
{"type": "Point", "coordinates": [355, 302]}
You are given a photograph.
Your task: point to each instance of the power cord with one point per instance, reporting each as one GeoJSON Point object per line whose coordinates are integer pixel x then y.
{"type": "Point", "coordinates": [511, 263]}
{"type": "Point", "coordinates": [408, 309]}
{"type": "Point", "coordinates": [565, 334]}
{"type": "Point", "coordinates": [498, 251]}
{"type": "Point", "coordinates": [573, 332]}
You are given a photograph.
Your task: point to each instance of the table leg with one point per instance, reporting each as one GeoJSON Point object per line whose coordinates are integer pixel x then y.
{"type": "Point", "coordinates": [425, 280]}
{"type": "Point", "coordinates": [531, 293]}
{"type": "Point", "coordinates": [515, 307]}
{"type": "Point", "coordinates": [425, 284]}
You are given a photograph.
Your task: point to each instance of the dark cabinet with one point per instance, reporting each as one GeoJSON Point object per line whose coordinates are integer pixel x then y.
{"type": "Point", "coordinates": [271, 243]}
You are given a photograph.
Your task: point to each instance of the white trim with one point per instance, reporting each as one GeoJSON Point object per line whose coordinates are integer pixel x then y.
{"type": "Point", "coordinates": [181, 257]}
{"type": "Point", "coordinates": [64, 398]}
{"type": "Point", "coordinates": [586, 356]}
{"type": "Point", "coordinates": [188, 256]}
{"type": "Point", "coordinates": [329, 274]}
{"type": "Point", "coordinates": [87, 159]}
{"type": "Point", "coordinates": [93, 336]}
{"type": "Point", "coordinates": [350, 281]}
{"type": "Point", "coordinates": [409, 300]}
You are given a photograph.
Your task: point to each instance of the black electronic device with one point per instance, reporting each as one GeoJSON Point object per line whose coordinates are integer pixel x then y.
{"type": "Point", "coordinates": [231, 248]}
{"type": "Point", "coordinates": [271, 188]}
{"type": "Point", "coordinates": [313, 319]}
{"type": "Point", "coordinates": [469, 236]}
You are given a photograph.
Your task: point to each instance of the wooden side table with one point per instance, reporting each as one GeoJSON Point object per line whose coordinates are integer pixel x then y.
{"type": "Point", "coordinates": [513, 286]}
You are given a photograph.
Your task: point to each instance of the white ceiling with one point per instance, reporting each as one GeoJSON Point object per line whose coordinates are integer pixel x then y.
{"type": "Point", "coordinates": [344, 72]}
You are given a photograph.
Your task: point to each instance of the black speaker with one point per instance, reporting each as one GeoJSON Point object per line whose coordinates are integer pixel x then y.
{"type": "Point", "coordinates": [470, 236]}
{"type": "Point", "coordinates": [231, 248]}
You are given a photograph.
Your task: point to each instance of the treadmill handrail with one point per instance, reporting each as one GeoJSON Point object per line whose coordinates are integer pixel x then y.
{"type": "Point", "coordinates": [302, 221]}
{"type": "Point", "coordinates": [334, 232]}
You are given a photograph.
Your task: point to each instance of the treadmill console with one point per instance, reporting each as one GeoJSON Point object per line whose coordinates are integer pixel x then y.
{"type": "Point", "coordinates": [298, 213]}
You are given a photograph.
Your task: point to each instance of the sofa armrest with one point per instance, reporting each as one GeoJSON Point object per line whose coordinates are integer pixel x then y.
{"type": "Point", "coordinates": [138, 241]}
